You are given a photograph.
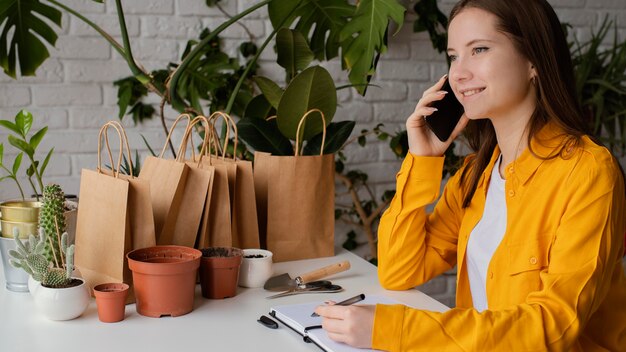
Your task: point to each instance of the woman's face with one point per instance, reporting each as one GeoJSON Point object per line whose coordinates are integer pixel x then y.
{"type": "Point", "coordinates": [487, 74]}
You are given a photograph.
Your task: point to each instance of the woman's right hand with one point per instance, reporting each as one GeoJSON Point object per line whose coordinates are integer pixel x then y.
{"type": "Point", "coordinates": [422, 141]}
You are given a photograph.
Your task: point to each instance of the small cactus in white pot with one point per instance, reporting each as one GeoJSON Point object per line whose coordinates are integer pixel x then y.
{"type": "Point", "coordinates": [59, 296]}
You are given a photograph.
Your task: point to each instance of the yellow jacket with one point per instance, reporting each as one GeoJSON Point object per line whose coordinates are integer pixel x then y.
{"type": "Point", "coordinates": [555, 283]}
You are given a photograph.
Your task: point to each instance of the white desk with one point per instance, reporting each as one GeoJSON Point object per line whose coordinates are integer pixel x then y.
{"type": "Point", "coordinates": [213, 325]}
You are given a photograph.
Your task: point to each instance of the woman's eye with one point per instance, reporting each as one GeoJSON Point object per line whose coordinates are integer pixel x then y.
{"type": "Point", "coordinates": [451, 57]}
{"type": "Point", "coordinates": [479, 50]}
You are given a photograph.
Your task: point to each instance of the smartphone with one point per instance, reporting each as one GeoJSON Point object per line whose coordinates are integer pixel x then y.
{"type": "Point", "coordinates": [449, 111]}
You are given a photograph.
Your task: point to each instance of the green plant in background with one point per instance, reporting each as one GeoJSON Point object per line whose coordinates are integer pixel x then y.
{"type": "Point", "coordinates": [30, 257]}
{"type": "Point", "coordinates": [25, 144]}
{"type": "Point", "coordinates": [600, 70]}
{"type": "Point", "coordinates": [52, 220]}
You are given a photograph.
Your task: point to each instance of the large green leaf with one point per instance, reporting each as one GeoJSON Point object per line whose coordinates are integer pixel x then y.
{"type": "Point", "coordinates": [293, 52]}
{"type": "Point", "coordinates": [365, 37]}
{"type": "Point", "coordinates": [328, 17]}
{"type": "Point", "coordinates": [337, 134]}
{"type": "Point", "coordinates": [313, 88]}
{"type": "Point", "coordinates": [23, 20]}
{"type": "Point", "coordinates": [271, 90]}
{"type": "Point", "coordinates": [264, 136]}
{"type": "Point", "coordinates": [259, 108]}
{"type": "Point", "coordinates": [36, 138]}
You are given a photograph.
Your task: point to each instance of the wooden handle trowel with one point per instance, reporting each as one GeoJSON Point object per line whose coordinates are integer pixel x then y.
{"type": "Point", "coordinates": [284, 282]}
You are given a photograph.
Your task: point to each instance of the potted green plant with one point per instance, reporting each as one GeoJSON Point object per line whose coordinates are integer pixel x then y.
{"type": "Point", "coordinates": [59, 295]}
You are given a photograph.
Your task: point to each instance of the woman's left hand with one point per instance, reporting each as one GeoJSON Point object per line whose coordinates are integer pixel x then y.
{"type": "Point", "coordinates": [351, 325]}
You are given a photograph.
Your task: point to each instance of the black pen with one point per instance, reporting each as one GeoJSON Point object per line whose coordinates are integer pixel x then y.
{"type": "Point", "coordinates": [349, 301]}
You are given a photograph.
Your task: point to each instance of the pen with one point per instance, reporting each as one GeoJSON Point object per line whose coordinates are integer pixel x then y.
{"type": "Point", "coordinates": [347, 302]}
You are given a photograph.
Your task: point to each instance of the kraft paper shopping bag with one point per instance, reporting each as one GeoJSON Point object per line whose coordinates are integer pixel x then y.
{"type": "Point", "coordinates": [167, 180]}
{"type": "Point", "coordinates": [244, 224]}
{"type": "Point", "coordinates": [296, 200]}
{"type": "Point", "coordinates": [183, 230]}
{"type": "Point", "coordinates": [114, 217]}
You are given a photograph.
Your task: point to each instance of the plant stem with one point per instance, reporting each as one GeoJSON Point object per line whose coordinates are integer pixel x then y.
{"type": "Point", "coordinates": [142, 76]}
{"type": "Point", "coordinates": [191, 57]}
{"type": "Point", "coordinates": [250, 35]}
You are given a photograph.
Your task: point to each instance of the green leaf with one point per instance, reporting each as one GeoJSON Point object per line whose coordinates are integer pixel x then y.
{"type": "Point", "coordinates": [327, 17]}
{"type": "Point", "coordinates": [36, 138]}
{"type": "Point", "coordinates": [24, 121]}
{"type": "Point", "coordinates": [145, 141]}
{"type": "Point", "coordinates": [23, 19]}
{"type": "Point", "coordinates": [365, 37]}
{"type": "Point", "coordinates": [21, 145]}
{"type": "Point", "coordinates": [264, 136]}
{"type": "Point", "coordinates": [45, 162]}
{"type": "Point", "coordinates": [271, 90]}
{"type": "Point", "coordinates": [259, 108]}
{"type": "Point", "coordinates": [17, 162]}
{"type": "Point", "coordinates": [337, 133]}
{"type": "Point", "coordinates": [1, 152]}
{"type": "Point", "coordinates": [293, 52]}
{"type": "Point", "coordinates": [361, 140]}
{"type": "Point", "coordinates": [11, 126]}
{"type": "Point", "coordinates": [313, 88]}
{"type": "Point", "coordinates": [248, 49]}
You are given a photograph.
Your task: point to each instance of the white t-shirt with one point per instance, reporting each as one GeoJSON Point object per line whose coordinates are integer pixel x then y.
{"type": "Point", "coordinates": [485, 238]}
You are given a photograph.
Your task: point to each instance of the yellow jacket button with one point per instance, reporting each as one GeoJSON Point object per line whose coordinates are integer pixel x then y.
{"type": "Point", "coordinates": [533, 260]}
{"type": "Point", "coordinates": [511, 193]}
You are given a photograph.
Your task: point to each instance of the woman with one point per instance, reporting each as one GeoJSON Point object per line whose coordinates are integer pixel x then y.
{"type": "Point", "coordinates": [534, 219]}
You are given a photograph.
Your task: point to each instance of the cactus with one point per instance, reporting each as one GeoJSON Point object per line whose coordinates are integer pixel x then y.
{"type": "Point", "coordinates": [30, 257]}
{"type": "Point", "coordinates": [51, 215]}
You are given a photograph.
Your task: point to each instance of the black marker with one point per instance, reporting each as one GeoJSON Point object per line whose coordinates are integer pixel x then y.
{"type": "Point", "coordinates": [349, 301]}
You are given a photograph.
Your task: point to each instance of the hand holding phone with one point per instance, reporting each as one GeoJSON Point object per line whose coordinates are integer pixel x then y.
{"type": "Point", "coordinates": [449, 111]}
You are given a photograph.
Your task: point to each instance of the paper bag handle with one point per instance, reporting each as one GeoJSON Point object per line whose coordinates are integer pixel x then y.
{"type": "Point", "coordinates": [297, 151]}
{"type": "Point", "coordinates": [169, 134]}
{"type": "Point", "coordinates": [323, 272]}
{"type": "Point", "coordinates": [230, 124]}
{"type": "Point", "coordinates": [187, 136]}
{"type": "Point", "coordinates": [123, 143]}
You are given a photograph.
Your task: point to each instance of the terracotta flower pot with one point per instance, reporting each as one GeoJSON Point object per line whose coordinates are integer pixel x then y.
{"type": "Point", "coordinates": [164, 279]}
{"type": "Point", "coordinates": [111, 301]}
{"type": "Point", "coordinates": [219, 271]}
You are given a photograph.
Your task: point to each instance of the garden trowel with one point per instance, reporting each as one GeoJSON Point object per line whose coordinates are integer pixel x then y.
{"type": "Point", "coordinates": [284, 282]}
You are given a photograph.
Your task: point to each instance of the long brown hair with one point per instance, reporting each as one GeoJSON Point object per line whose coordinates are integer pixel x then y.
{"type": "Point", "coordinates": [535, 30]}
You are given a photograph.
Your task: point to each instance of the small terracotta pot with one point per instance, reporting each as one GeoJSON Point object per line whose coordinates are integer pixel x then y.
{"type": "Point", "coordinates": [111, 301]}
{"type": "Point", "coordinates": [164, 279]}
{"type": "Point", "coordinates": [219, 271]}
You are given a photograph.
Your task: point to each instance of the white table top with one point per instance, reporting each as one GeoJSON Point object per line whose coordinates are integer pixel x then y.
{"type": "Point", "coordinates": [214, 325]}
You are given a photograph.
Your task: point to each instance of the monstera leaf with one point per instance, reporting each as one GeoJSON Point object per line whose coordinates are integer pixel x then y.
{"type": "Point", "coordinates": [22, 19]}
{"type": "Point", "coordinates": [327, 16]}
{"type": "Point", "coordinates": [365, 38]}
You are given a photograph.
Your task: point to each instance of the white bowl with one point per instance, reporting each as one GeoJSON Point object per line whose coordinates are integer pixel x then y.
{"type": "Point", "coordinates": [255, 271]}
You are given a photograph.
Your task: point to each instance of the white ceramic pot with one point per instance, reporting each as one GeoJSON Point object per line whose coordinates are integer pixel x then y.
{"type": "Point", "coordinates": [62, 303]}
{"type": "Point", "coordinates": [253, 272]}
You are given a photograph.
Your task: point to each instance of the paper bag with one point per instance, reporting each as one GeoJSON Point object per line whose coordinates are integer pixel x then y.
{"type": "Point", "coordinates": [167, 184]}
{"type": "Point", "coordinates": [183, 230]}
{"type": "Point", "coordinates": [244, 224]}
{"type": "Point", "coordinates": [296, 202]}
{"type": "Point", "coordinates": [114, 217]}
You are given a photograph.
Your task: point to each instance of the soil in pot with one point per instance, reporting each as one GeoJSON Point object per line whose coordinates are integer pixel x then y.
{"type": "Point", "coordinates": [219, 271]}
{"type": "Point", "coordinates": [164, 279]}
{"type": "Point", "coordinates": [111, 301]}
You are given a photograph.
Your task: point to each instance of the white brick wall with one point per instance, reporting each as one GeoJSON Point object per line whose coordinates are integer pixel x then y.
{"type": "Point", "coordinates": [73, 92]}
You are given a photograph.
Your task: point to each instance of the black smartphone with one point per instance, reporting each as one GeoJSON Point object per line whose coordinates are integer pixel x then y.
{"type": "Point", "coordinates": [448, 114]}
